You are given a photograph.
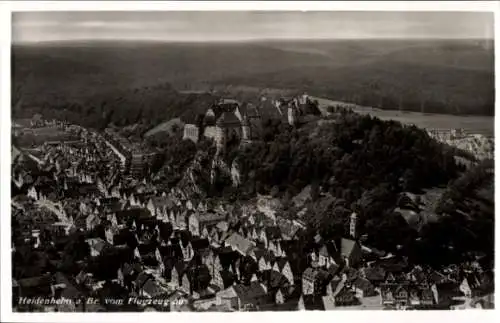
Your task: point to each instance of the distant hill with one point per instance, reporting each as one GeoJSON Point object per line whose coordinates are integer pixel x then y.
{"type": "Point", "coordinates": [389, 84]}
{"type": "Point", "coordinates": [165, 127]}
{"type": "Point", "coordinates": [443, 76]}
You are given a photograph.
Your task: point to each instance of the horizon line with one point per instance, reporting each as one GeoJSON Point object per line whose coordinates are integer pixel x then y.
{"type": "Point", "coordinates": [251, 40]}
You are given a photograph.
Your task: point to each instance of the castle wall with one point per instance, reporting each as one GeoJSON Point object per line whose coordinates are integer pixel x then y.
{"type": "Point", "coordinates": [191, 132]}
{"type": "Point", "coordinates": [210, 132]}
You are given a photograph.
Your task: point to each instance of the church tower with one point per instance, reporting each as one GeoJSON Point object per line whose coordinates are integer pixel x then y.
{"type": "Point", "coordinates": [352, 225]}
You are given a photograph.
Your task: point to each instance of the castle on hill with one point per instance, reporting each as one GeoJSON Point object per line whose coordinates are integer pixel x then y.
{"type": "Point", "coordinates": [223, 121]}
{"type": "Point", "coordinates": [227, 119]}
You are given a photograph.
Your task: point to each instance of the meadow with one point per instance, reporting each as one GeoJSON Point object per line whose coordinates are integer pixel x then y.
{"type": "Point", "coordinates": [484, 125]}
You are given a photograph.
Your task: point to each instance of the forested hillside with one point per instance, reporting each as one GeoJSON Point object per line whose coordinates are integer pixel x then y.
{"type": "Point", "coordinates": [448, 76]}
{"type": "Point", "coordinates": [356, 164]}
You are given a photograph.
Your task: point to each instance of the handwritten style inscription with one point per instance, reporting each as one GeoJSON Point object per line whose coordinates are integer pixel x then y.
{"type": "Point", "coordinates": [95, 301]}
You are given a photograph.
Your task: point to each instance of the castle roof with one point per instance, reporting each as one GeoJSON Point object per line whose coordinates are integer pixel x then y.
{"type": "Point", "coordinates": [249, 110]}
{"type": "Point", "coordinates": [227, 118]}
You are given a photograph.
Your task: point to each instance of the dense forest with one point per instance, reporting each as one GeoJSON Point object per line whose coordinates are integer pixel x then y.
{"type": "Point", "coordinates": [146, 107]}
{"type": "Point", "coordinates": [442, 76]}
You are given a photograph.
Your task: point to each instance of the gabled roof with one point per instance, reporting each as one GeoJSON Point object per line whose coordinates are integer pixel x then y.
{"type": "Point", "coordinates": [374, 273]}
{"type": "Point", "coordinates": [153, 288]}
{"type": "Point", "coordinates": [323, 251]}
{"type": "Point", "coordinates": [249, 293]}
{"type": "Point", "coordinates": [333, 269]}
{"type": "Point", "coordinates": [249, 110]}
{"type": "Point", "coordinates": [241, 244]}
{"type": "Point", "coordinates": [363, 284]}
{"type": "Point", "coordinates": [273, 279]}
{"type": "Point", "coordinates": [97, 244]}
{"type": "Point", "coordinates": [310, 273]}
{"type": "Point", "coordinates": [127, 269]}
{"type": "Point", "coordinates": [347, 246]}
{"type": "Point", "coordinates": [273, 232]}
{"type": "Point", "coordinates": [142, 278]}
{"type": "Point", "coordinates": [200, 243]}
{"type": "Point", "coordinates": [211, 217]}
{"type": "Point", "coordinates": [281, 263]}
{"type": "Point", "coordinates": [228, 118]}
{"type": "Point", "coordinates": [160, 202]}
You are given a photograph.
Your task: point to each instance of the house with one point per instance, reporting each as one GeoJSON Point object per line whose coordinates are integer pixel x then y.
{"type": "Point", "coordinates": [426, 296]}
{"type": "Point", "coordinates": [174, 277]}
{"type": "Point", "coordinates": [414, 296]}
{"type": "Point", "coordinates": [387, 294]}
{"type": "Point", "coordinates": [97, 245]}
{"type": "Point", "coordinates": [401, 295]}
{"type": "Point", "coordinates": [329, 303]}
{"type": "Point", "coordinates": [92, 221]}
{"type": "Point", "coordinates": [279, 298]}
{"type": "Point", "coordinates": [222, 226]}
{"type": "Point", "coordinates": [249, 297]}
{"type": "Point", "coordinates": [187, 251]}
{"type": "Point", "coordinates": [177, 300]}
{"type": "Point", "coordinates": [314, 280]}
{"type": "Point", "coordinates": [186, 283]}
{"type": "Point", "coordinates": [265, 259]}
{"type": "Point", "coordinates": [204, 232]}
{"type": "Point", "coordinates": [448, 294]}
{"type": "Point", "coordinates": [63, 288]}
{"type": "Point", "coordinates": [152, 289]}
{"type": "Point", "coordinates": [310, 303]}
{"type": "Point", "coordinates": [344, 296]}
{"type": "Point", "coordinates": [466, 288]}
{"type": "Point", "coordinates": [193, 224]}
{"type": "Point", "coordinates": [217, 279]}
{"type": "Point", "coordinates": [363, 288]}
{"type": "Point", "coordinates": [376, 275]}
{"type": "Point", "coordinates": [240, 244]}
{"type": "Point", "coordinates": [126, 274]}
{"type": "Point", "coordinates": [109, 233]}
{"type": "Point", "coordinates": [209, 219]}
{"type": "Point", "coordinates": [275, 281]}
{"type": "Point", "coordinates": [350, 251]}
{"type": "Point", "coordinates": [325, 255]}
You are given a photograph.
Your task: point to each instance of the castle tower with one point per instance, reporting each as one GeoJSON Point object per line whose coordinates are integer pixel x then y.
{"type": "Point", "coordinates": [304, 98]}
{"type": "Point", "coordinates": [246, 134]}
{"type": "Point", "coordinates": [352, 225]}
{"type": "Point", "coordinates": [220, 135]}
{"type": "Point", "coordinates": [292, 113]}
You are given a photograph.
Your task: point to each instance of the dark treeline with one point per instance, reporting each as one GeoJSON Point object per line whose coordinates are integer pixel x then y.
{"type": "Point", "coordinates": [345, 158]}
{"type": "Point", "coordinates": [145, 106]}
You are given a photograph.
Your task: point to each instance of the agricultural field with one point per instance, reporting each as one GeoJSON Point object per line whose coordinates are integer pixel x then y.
{"type": "Point", "coordinates": [484, 125]}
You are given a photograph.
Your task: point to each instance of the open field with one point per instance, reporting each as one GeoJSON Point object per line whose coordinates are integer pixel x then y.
{"type": "Point", "coordinates": [164, 127]}
{"type": "Point", "coordinates": [484, 125]}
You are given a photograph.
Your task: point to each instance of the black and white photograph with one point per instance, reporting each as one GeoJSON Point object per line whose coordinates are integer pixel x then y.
{"type": "Point", "coordinates": [250, 160]}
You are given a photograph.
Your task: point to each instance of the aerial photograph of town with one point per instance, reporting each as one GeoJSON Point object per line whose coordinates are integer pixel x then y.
{"type": "Point", "coordinates": [235, 161]}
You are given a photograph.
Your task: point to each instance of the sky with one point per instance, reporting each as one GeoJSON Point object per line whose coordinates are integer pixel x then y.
{"type": "Point", "coordinates": [195, 26]}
